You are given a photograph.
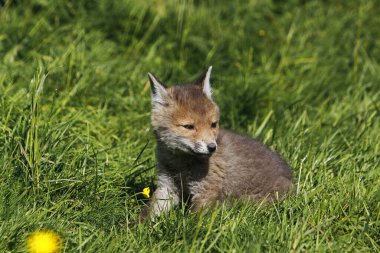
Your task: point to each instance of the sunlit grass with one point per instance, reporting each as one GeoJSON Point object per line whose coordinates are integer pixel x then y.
{"type": "Point", "coordinates": [77, 148]}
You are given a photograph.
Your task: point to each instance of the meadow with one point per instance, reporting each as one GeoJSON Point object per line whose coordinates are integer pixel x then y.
{"type": "Point", "coordinates": [77, 147]}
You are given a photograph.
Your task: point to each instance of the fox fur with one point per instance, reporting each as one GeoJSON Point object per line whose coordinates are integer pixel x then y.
{"type": "Point", "coordinates": [201, 162]}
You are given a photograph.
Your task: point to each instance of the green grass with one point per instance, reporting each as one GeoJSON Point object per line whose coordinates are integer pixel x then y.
{"type": "Point", "coordinates": [77, 148]}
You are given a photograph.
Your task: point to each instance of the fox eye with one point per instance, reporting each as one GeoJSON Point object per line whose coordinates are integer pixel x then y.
{"type": "Point", "coordinates": [214, 124]}
{"type": "Point", "coordinates": [188, 126]}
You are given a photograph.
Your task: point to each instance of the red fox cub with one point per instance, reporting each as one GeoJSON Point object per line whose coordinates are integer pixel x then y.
{"type": "Point", "coordinates": [202, 163]}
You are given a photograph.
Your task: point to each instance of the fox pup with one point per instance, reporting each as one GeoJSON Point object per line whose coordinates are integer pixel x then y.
{"type": "Point", "coordinates": [202, 163]}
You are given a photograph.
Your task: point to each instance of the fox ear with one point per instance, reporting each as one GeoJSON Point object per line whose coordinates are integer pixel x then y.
{"type": "Point", "coordinates": [158, 90]}
{"type": "Point", "coordinates": [204, 80]}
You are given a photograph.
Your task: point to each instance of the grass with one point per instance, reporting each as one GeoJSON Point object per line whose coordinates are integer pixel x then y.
{"type": "Point", "coordinates": [75, 138]}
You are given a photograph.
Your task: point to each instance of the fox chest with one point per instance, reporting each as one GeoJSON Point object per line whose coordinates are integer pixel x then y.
{"type": "Point", "coordinates": [199, 182]}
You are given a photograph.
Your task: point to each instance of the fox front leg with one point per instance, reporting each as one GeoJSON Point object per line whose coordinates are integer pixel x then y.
{"type": "Point", "coordinates": [198, 203]}
{"type": "Point", "coordinates": [163, 199]}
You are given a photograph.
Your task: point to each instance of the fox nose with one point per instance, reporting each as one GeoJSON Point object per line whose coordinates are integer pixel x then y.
{"type": "Point", "coordinates": [211, 147]}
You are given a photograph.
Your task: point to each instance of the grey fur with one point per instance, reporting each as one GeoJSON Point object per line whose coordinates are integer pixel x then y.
{"type": "Point", "coordinates": [241, 167]}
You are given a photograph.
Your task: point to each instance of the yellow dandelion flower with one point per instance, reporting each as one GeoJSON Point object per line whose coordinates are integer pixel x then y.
{"type": "Point", "coordinates": [262, 33]}
{"type": "Point", "coordinates": [44, 242]}
{"type": "Point", "coordinates": [146, 192]}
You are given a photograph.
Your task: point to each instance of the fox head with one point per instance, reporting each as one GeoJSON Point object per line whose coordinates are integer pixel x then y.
{"type": "Point", "coordinates": [184, 117]}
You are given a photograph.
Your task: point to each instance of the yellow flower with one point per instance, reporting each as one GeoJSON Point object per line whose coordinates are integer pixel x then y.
{"type": "Point", "coordinates": [146, 192]}
{"type": "Point", "coordinates": [44, 242]}
{"type": "Point", "coordinates": [262, 33]}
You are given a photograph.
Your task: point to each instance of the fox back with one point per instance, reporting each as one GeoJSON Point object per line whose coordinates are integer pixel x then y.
{"type": "Point", "coordinates": [199, 161]}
